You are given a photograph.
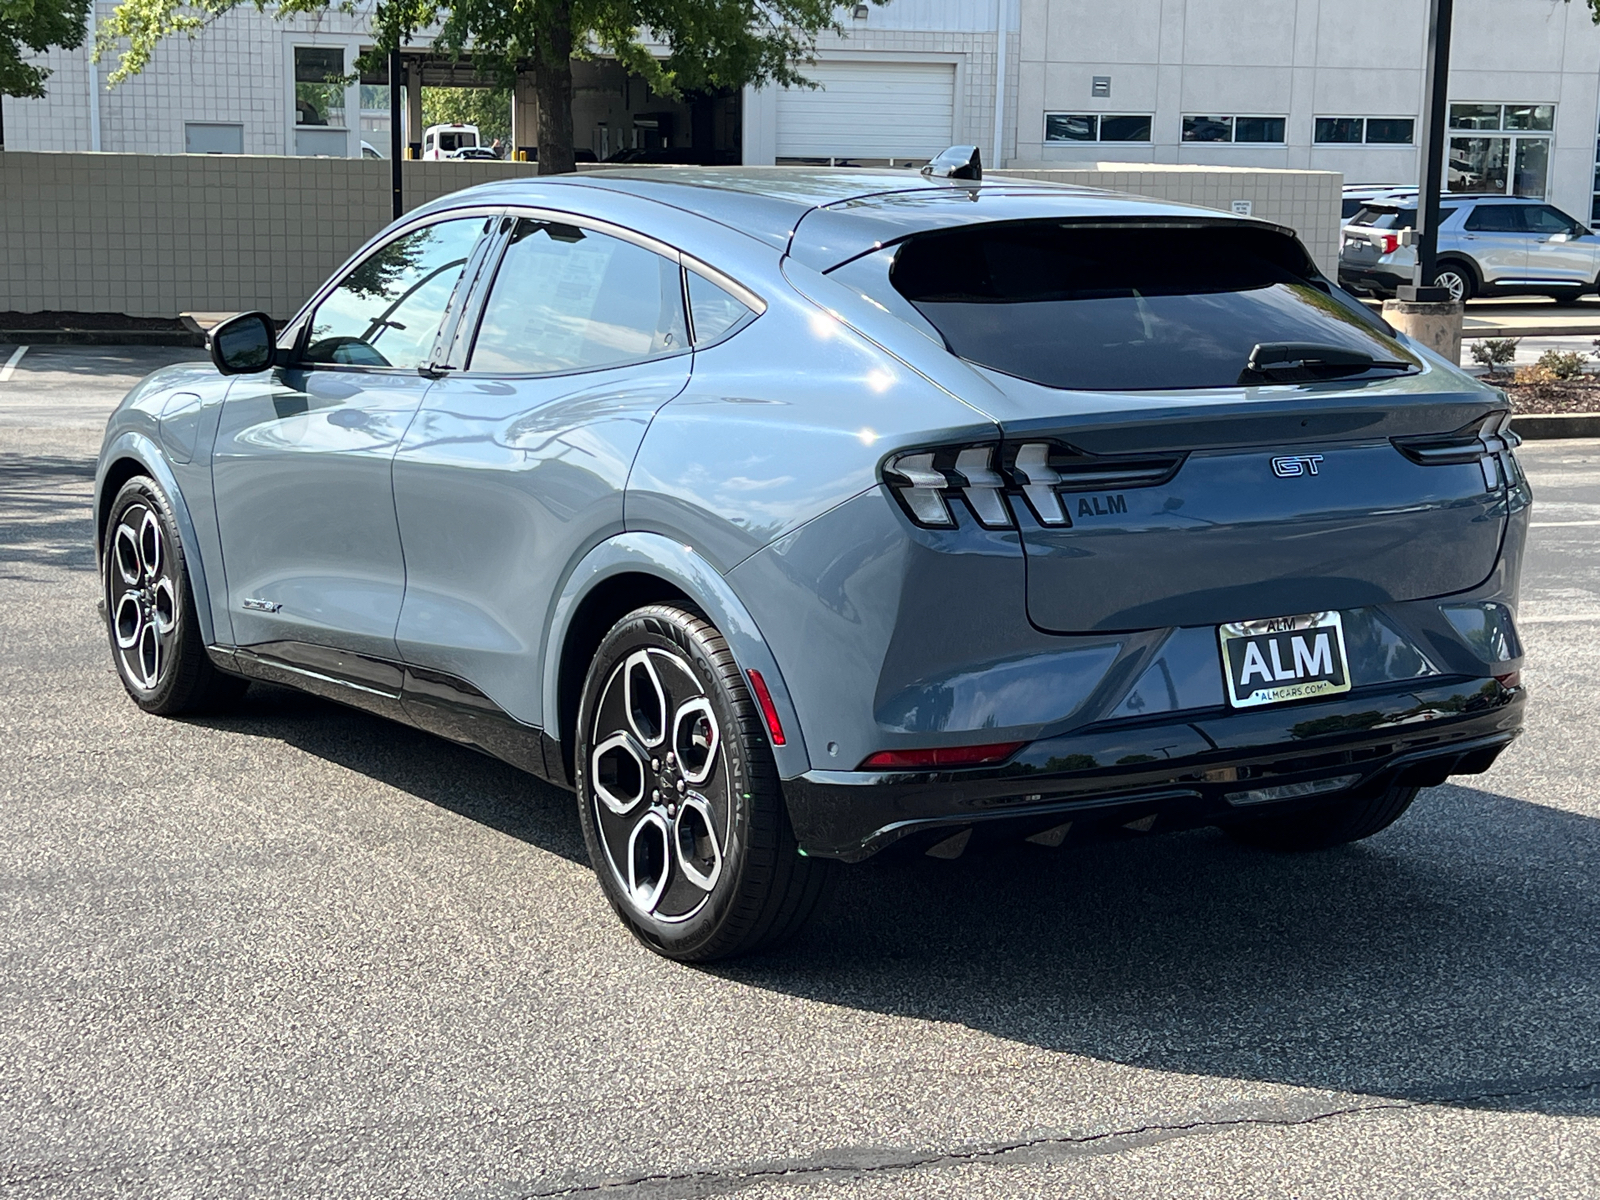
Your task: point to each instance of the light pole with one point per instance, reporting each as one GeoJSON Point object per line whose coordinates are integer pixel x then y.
{"type": "Point", "coordinates": [1437, 89]}
{"type": "Point", "coordinates": [396, 141]}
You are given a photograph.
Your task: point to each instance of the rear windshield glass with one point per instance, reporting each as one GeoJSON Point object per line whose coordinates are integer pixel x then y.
{"type": "Point", "coordinates": [1394, 218]}
{"type": "Point", "coordinates": [1128, 308]}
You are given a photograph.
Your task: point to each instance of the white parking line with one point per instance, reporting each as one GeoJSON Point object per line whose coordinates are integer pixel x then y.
{"type": "Point", "coordinates": [1558, 524]}
{"type": "Point", "coordinates": [1559, 619]}
{"type": "Point", "coordinates": [11, 364]}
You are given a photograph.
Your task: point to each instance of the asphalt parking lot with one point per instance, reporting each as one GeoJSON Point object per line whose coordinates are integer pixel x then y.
{"type": "Point", "coordinates": [300, 951]}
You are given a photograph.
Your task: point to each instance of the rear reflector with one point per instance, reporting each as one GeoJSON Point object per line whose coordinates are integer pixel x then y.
{"type": "Point", "coordinates": [769, 711]}
{"type": "Point", "coordinates": [940, 756]}
{"type": "Point", "coordinates": [1512, 680]}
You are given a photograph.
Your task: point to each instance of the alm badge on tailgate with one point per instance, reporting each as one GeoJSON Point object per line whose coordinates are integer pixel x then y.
{"type": "Point", "coordinates": [1284, 658]}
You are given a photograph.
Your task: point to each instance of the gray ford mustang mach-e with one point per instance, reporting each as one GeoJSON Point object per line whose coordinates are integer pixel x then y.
{"type": "Point", "coordinates": [786, 514]}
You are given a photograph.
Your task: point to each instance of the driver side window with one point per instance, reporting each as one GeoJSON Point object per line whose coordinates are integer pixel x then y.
{"type": "Point", "coordinates": [387, 310]}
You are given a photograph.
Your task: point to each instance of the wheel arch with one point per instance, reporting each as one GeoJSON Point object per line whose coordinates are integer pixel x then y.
{"type": "Point", "coordinates": [134, 454]}
{"type": "Point", "coordinates": [1457, 259]}
{"type": "Point", "coordinates": [624, 573]}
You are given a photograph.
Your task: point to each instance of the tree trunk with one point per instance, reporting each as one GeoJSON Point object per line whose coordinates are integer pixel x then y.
{"type": "Point", "coordinates": [552, 82]}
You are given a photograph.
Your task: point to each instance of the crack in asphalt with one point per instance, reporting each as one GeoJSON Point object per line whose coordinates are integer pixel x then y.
{"type": "Point", "coordinates": [864, 1163]}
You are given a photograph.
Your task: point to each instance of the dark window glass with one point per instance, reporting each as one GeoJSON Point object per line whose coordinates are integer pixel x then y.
{"type": "Point", "coordinates": [1531, 116]}
{"type": "Point", "coordinates": [570, 299]}
{"type": "Point", "coordinates": [1390, 131]}
{"type": "Point", "coordinates": [1402, 218]}
{"type": "Point", "coordinates": [319, 85]}
{"type": "Point", "coordinates": [712, 310]}
{"type": "Point", "coordinates": [1478, 165]}
{"type": "Point", "coordinates": [1066, 127]}
{"type": "Point", "coordinates": [1545, 220]}
{"type": "Point", "coordinates": [386, 312]}
{"type": "Point", "coordinates": [1348, 209]}
{"type": "Point", "coordinates": [1124, 129]}
{"type": "Point", "coordinates": [1495, 218]}
{"type": "Point", "coordinates": [1124, 309]}
{"type": "Point", "coordinates": [1337, 129]}
{"type": "Point", "coordinates": [1208, 129]}
{"type": "Point", "coordinates": [1474, 116]}
{"type": "Point", "coordinates": [1258, 129]}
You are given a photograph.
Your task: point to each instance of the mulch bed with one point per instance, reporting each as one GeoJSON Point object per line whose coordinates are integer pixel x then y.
{"type": "Point", "coordinates": [1562, 396]}
{"type": "Point", "coordinates": [89, 321]}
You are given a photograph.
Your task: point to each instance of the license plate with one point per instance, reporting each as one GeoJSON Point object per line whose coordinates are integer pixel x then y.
{"type": "Point", "coordinates": [1284, 658]}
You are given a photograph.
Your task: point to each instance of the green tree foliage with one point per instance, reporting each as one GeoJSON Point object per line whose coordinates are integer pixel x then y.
{"type": "Point", "coordinates": [31, 27]}
{"type": "Point", "coordinates": [709, 44]}
{"type": "Point", "coordinates": [487, 108]}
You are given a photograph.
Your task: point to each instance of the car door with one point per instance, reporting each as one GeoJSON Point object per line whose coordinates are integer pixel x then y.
{"type": "Point", "coordinates": [1497, 239]}
{"type": "Point", "coordinates": [515, 466]}
{"type": "Point", "coordinates": [301, 464]}
{"type": "Point", "coordinates": [1560, 248]}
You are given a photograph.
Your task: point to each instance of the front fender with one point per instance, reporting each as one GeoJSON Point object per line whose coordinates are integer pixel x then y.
{"type": "Point", "coordinates": [148, 455]}
{"type": "Point", "coordinates": [654, 554]}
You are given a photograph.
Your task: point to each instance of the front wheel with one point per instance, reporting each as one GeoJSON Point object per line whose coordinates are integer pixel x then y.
{"type": "Point", "coordinates": [679, 797]}
{"type": "Point", "coordinates": [150, 609]}
{"type": "Point", "coordinates": [1331, 824]}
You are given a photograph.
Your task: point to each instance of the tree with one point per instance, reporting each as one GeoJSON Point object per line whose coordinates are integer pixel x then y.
{"type": "Point", "coordinates": [36, 25]}
{"type": "Point", "coordinates": [709, 44]}
{"type": "Point", "coordinates": [487, 108]}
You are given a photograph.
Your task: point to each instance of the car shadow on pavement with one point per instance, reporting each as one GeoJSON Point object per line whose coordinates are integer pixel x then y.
{"type": "Point", "coordinates": [455, 778]}
{"type": "Point", "coordinates": [1454, 958]}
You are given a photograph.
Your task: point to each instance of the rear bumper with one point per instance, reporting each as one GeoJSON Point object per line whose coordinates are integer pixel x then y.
{"type": "Point", "coordinates": [1180, 773]}
{"type": "Point", "coordinates": [1372, 280]}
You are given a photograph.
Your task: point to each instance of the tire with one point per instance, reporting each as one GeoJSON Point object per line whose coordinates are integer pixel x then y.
{"type": "Point", "coordinates": [150, 614]}
{"type": "Point", "coordinates": [1457, 277]}
{"type": "Point", "coordinates": [679, 797]}
{"type": "Point", "coordinates": [1328, 825]}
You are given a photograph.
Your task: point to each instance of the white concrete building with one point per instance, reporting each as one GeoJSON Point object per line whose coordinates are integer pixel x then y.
{"type": "Point", "coordinates": [1255, 83]}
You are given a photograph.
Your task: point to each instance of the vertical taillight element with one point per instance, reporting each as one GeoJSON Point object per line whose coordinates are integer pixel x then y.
{"type": "Point", "coordinates": [769, 710]}
{"type": "Point", "coordinates": [982, 486]}
{"type": "Point", "coordinates": [920, 485]}
{"type": "Point", "coordinates": [1039, 480]}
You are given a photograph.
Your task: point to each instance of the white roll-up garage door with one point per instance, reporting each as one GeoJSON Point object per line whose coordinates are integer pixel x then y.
{"type": "Point", "coordinates": [869, 110]}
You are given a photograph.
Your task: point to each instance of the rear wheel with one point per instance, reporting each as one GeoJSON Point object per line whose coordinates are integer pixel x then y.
{"type": "Point", "coordinates": [1457, 279]}
{"type": "Point", "coordinates": [1331, 824]}
{"type": "Point", "coordinates": [150, 609]}
{"type": "Point", "coordinates": [679, 797]}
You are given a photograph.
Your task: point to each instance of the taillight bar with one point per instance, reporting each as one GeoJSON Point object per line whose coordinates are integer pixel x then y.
{"type": "Point", "coordinates": [940, 756]}
{"type": "Point", "coordinates": [987, 476]}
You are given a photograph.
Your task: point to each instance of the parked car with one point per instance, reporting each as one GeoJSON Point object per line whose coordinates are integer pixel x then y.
{"type": "Point", "coordinates": [788, 514]}
{"type": "Point", "coordinates": [1488, 246]}
{"type": "Point", "coordinates": [448, 141]}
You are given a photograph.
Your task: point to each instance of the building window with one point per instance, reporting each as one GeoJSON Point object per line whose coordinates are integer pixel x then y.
{"type": "Point", "coordinates": [1259, 130]}
{"type": "Point", "coordinates": [1093, 127]}
{"type": "Point", "coordinates": [1373, 131]}
{"type": "Point", "coordinates": [319, 101]}
{"type": "Point", "coordinates": [1510, 163]}
{"type": "Point", "coordinates": [212, 137]}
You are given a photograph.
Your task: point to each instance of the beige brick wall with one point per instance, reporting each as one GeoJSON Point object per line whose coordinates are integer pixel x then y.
{"type": "Point", "coordinates": [156, 235]}
{"type": "Point", "coordinates": [1306, 201]}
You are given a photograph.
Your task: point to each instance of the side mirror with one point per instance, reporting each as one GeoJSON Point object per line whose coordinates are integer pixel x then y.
{"type": "Point", "coordinates": [958, 162]}
{"type": "Point", "coordinates": [1560, 237]}
{"type": "Point", "coordinates": [243, 344]}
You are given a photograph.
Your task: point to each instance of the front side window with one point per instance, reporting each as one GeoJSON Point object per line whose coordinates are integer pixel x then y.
{"type": "Point", "coordinates": [1544, 220]}
{"type": "Point", "coordinates": [571, 299]}
{"type": "Point", "coordinates": [386, 311]}
{"type": "Point", "coordinates": [1129, 308]}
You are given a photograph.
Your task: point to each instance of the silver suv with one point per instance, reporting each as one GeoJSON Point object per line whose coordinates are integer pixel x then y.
{"type": "Point", "coordinates": [1488, 246]}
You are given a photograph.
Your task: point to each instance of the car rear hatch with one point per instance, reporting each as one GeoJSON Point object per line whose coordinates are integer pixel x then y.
{"type": "Point", "coordinates": [1198, 429]}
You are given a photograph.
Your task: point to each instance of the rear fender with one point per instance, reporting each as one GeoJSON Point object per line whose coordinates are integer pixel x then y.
{"type": "Point", "coordinates": [138, 447]}
{"type": "Point", "coordinates": [659, 556]}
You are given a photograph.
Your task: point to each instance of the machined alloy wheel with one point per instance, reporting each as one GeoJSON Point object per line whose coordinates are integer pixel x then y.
{"type": "Point", "coordinates": [1455, 280]}
{"type": "Point", "coordinates": [679, 795]}
{"type": "Point", "coordinates": [150, 616]}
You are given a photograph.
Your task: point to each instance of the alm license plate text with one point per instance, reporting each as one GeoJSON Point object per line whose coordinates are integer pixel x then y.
{"type": "Point", "coordinates": [1284, 658]}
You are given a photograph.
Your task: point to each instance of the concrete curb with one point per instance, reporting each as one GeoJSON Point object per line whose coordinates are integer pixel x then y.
{"type": "Point", "coordinates": [1566, 331]}
{"type": "Point", "coordinates": [1534, 426]}
{"type": "Point", "coordinates": [101, 337]}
